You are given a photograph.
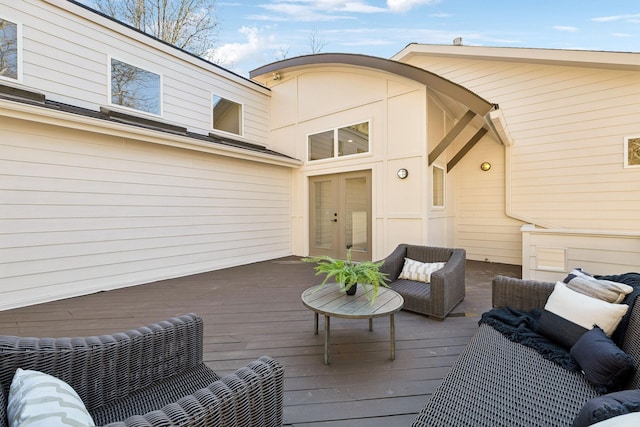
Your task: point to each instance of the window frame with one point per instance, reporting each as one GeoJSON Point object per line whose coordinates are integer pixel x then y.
{"type": "Point", "coordinates": [626, 151]}
{"type": "Point", "coordinates": [110, 102]}
{"type": "Point", "coordinates": [336, 142]}
{"type": "Point", "coordinates": [19, 52]}
{"type": "Point", "coordinates": [443, 187]}
{"type": "Point", "coordinates": [241, 118]}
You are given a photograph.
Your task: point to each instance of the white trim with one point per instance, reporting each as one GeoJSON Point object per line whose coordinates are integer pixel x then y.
{"type": "Point", "coordinates": [626, 151]}
{"type": "Point", "coordinates": [137, 65]}
{"type": "Point", "coordinates": [19, 51]}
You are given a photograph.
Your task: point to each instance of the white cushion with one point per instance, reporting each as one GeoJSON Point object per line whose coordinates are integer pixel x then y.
{"type": "Point", "coordinates": [419, 271]}
{"type": "Point", "coordinates": [584, 310]}
{"type": "Point", "coordinates": [631, 419]}
{"type": "Point", "coordinates": [40, 400]}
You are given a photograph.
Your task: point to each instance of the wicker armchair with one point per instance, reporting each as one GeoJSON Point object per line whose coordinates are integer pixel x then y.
{"type": "Point", "coordinates": [446, 290]}
{"type": "Point", "coordinates": [150, 376]}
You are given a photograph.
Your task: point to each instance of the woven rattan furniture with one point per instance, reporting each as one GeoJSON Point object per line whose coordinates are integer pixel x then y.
{"type": "Point", "coordinates": [497, 382]}
{"type": "Point", "coordinates": [150, 376]}
{"type": "Point", "coordinates": [446, 290]}
{"type": "Point", "coordinates": [329, 301]}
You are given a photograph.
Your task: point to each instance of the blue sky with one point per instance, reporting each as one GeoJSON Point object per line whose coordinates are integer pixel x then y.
{"type": "Point", "coordinates": [255, 33]}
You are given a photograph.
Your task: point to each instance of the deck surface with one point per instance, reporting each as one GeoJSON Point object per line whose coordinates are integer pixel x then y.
{"type": "Point", "coordinates": [256, 310]}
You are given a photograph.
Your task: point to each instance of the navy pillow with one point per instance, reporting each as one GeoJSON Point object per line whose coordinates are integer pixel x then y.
{"type": "Point", "coordinates": [558, 329]}
{"type": "Point", "coordinates": [603, 363]}
{"type": "Point", "coordinates": [608, 406]}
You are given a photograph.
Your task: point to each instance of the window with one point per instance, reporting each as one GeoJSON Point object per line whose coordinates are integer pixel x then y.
{"type": "Point", "coordinates": [135, 88]}
{"type": "Point", "coordinates": [344, 141]}
{"type": "Point", "coordinates": [438, 187]}
{"type": "Point", "coordinates": [9, 49]}
{"type": "Point", "coordinates": [227, 115]}
{"type": "Point", "coordinates": [632, 151]}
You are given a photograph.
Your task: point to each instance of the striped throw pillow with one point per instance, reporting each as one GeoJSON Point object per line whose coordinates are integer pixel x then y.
{"type": "Point", "coordinates": [40, 400]}
{"type": "Point", "coordinates": [605, 290]}
{"type": "Point", "coordinates": [419, 271]}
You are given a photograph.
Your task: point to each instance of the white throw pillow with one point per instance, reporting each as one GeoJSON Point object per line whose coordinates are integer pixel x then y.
{"type": "Point", "coordinates": [584, 310]}
{"type": "Point", "coordinates": [631, 419]}
{"type": "Point", "coordinates": [37, 399]}
{"type": "Point", "coordinates": [419, 271]}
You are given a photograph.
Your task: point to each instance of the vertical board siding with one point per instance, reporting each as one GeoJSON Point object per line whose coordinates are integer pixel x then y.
{"type": "Point", "coordinates": [74, 70]}
{"type": "Point", "coordinates": [83, 212]}
{"type": "Point", "coordinates": [568, 124]}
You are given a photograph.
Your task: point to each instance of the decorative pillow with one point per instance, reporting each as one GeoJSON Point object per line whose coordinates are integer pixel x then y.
{"type": "Point", "coordinates": [559, 329]}
{"type": "Point", "coordinates": [632, 419]}
{"type": "Point", "coordinates": [584, 310]}
{"type": "Point", "coordinates": [41, 400]}
{"type": "Point", "coordinates": [419, 271]}
{"type": "Point", "coordinates": [608, 406]}
{"type": "Point", "coordinates": [605, 290]}
{"type": "Point", "coordinates": [604, 364]}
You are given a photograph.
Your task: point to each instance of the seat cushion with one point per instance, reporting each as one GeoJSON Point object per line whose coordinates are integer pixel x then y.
{"type": "Point", "coordinates": [416, 295]}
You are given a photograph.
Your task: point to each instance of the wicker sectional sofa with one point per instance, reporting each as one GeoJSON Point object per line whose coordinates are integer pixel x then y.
{"type": "Point", "coordinates": [499, 382]}
{"type": "Point", "coordinates": [150, 376]}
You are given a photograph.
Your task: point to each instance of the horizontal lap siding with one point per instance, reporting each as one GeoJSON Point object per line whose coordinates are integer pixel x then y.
{"type": "Point", "coordinates": [74, 69]}
{"type": "Point", "coordinates": [83, 212]}
{"type": "Point", "coordinates": [568, 124]}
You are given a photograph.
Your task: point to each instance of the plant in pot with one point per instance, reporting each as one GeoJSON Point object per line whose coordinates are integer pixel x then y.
{"type": "Point", "coordinates": [348, 273]}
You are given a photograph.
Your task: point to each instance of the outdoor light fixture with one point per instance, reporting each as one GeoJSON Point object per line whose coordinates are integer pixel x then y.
{"type": "Point", "coordinates": [485, 166]}
{"type": "Point", "coordinates": [403, 173]}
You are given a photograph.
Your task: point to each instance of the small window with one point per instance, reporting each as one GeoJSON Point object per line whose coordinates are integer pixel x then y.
{"type": "Point", "coordinates": [344, 141]}
{"type": "Point", "coordinates": [135, 88]}
{"type": "Point", "coordinates": [632, 151]}
{"type": "Point", "coordinates": [227, 115]}
{"type": "Point", "coordinates": [9, 49]}
{"type": "Point", "coordinates": [438, 187]}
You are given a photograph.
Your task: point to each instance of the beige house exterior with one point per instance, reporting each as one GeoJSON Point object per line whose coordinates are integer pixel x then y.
{"type": "Point", "coordinates": [311, 155]}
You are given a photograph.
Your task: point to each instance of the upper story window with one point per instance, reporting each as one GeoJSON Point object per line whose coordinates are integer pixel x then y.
{"type": "Point", "coordinates": [344, 141]}
{"type": "Point", "coordinates": [226, 115]}
{"type": "Point", "coordinates": [9, 49]}
{"type": "Point", "coordinates": [135, 88]}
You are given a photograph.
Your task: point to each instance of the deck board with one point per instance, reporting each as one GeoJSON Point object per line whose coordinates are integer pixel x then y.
{"type": "Point", "coordinates": [256, 310]}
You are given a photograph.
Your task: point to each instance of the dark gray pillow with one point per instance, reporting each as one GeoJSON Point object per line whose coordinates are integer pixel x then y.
{"type": "Point", "coordinates": [608, 406]}
{"type": "Point", "coordinates": [604, 364]}
{"type": "Point", "coordinates": [558, 329]}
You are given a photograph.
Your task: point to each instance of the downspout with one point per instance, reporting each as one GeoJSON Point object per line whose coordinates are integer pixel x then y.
{"type": "Point", "coordinates": [498, 123]}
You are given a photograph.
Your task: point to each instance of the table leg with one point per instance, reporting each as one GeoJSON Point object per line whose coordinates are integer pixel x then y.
{"type": "Point", "coordinates": [392, 332]}
{"type": "Point", "coordinates": [326, 339]}
{"type": "Point", "coordinates": [370, 324]}
{"type": "Point", "coordinates": [315, 323]}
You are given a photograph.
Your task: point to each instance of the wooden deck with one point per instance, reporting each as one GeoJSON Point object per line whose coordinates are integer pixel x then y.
{"type": "Point", "coordinates": [256, 309]}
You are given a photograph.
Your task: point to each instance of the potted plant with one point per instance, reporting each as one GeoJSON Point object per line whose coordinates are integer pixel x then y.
{"type": "Point", "coordinates": [347, 274]}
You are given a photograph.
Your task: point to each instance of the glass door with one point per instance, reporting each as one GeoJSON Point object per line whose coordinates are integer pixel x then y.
{"type": "Point", "coordinates": [340, 215]}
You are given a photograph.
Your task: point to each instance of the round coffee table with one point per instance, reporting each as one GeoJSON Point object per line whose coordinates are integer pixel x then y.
{"type": "Point", "coordinates": [330, 302]}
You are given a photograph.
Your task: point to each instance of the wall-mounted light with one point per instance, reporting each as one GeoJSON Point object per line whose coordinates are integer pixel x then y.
{"type": "Point", "coordinates": [276, 76]}
{"type": "Point", "coordinates": [485, 166]}
{"type": "Point", "coordinates": [403, 173]}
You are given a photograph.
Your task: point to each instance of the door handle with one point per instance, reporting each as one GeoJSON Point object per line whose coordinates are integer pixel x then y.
{"type": "Point", "coordinates": [333, 220]}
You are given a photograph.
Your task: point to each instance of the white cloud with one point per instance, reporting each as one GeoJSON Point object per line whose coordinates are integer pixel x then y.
{"type": "Point", "coordinates": [254, 50]}
{"type": "Point", "coordinates": [315, 10]}
{"type": "Point", "coordinates": [628, 17]}
{"type": "Point", "coordinates": [405, 5]}
{"type": "Point", "coordinates": [566, 28]}
{"type": "Point", "coordinates": [621, 35]}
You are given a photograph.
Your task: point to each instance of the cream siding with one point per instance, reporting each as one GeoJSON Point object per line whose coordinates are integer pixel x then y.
{"type": "Point", "coordinates": [74, 69]}
{"type": "Point", "coordinates": [84, 212]}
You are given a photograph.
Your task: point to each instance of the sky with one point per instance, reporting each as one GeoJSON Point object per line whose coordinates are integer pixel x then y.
{"type": "Point", "coordinates": [256, 33]}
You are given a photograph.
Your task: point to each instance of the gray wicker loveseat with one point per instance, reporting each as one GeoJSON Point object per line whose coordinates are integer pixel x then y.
{"type": "Point", "coordinates": [446, 288]}
{"type": "Point", "coordinates": [501, 382]}
{"type": "Point", "coordinates": [150, 376]}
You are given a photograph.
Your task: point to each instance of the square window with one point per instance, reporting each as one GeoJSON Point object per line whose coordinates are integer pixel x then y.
{"type": "Point", "coordinates": [9, 51]}
{"type": "Point", "coordinates": [135, 88]}
{"type": "Point", "coordinates": [353, 139]}
{"type": "Point", "coordinates": [321, 145]}
{"type": "Point", "coordinates": [226, 115]}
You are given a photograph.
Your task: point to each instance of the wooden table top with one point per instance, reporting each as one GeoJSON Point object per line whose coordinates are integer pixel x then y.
{"type": "Point", "coordinates": [329, 301]}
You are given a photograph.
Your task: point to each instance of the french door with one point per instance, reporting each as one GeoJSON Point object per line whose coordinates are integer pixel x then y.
{"type": "Point", "coordinates": [340, 215]}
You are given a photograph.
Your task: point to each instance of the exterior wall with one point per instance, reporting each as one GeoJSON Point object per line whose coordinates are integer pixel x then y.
{"type": "Point", "coordinates": [67, 51]}
{"type": "Point", "coordinates": [565, 169]}
{"type": "Point", "coordinates": [312, 100]}
{"type": "Point", "coordinates": [84, 212]}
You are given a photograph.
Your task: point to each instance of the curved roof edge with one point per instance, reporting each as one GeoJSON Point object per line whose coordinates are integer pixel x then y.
{"type": "Point", "coordinates": [474, 102]}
